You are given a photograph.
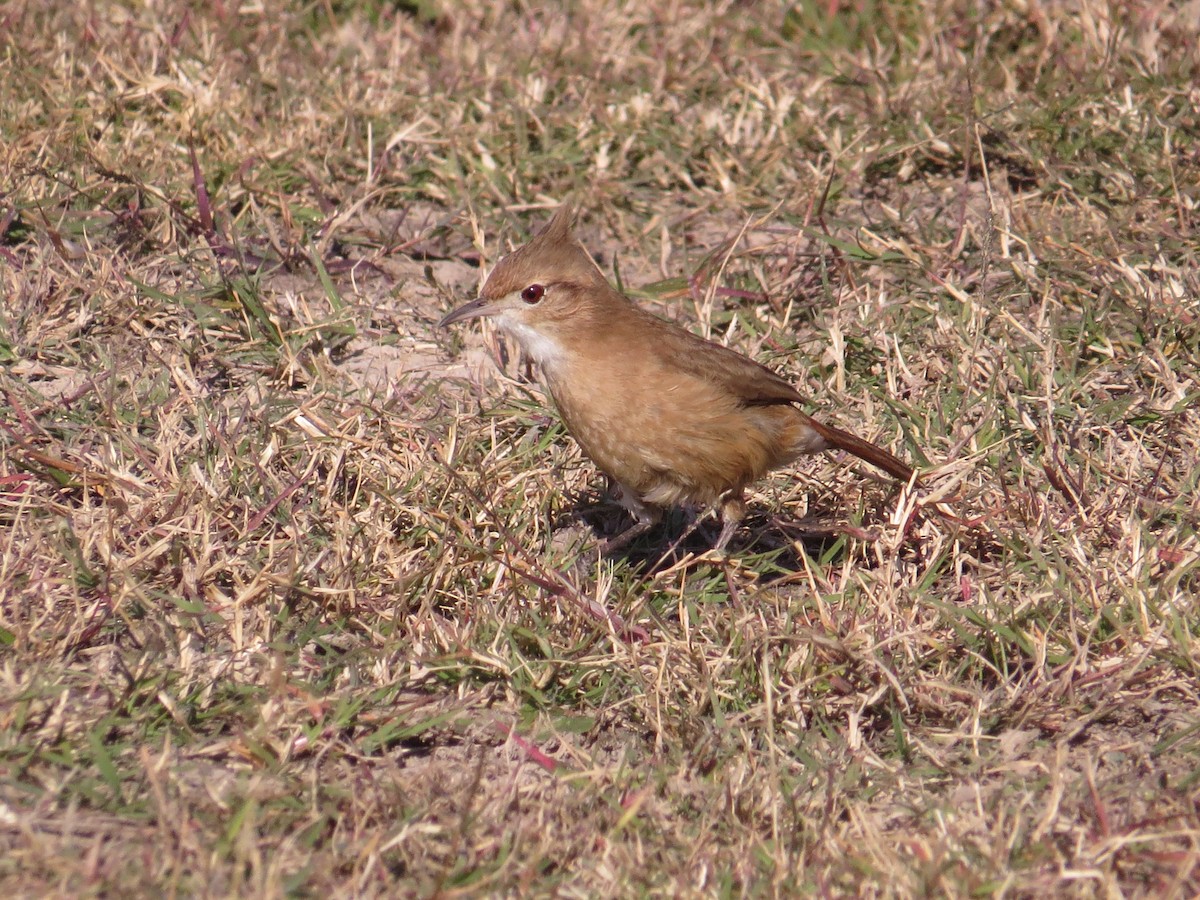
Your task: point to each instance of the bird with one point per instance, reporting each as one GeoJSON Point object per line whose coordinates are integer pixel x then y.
{"type": "Point", "coordinates": [670, 417]}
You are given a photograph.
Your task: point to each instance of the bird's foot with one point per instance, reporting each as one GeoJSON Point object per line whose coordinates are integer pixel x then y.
{"type": "Point", "coordinates": [616, 542]}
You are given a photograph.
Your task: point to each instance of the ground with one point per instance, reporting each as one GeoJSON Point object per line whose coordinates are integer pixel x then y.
{"type": "Point", "coordinates": [302, 595]}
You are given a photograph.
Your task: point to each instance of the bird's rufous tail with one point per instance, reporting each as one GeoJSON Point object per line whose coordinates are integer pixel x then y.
{"type": "Point", "coordinates": [864, 450]}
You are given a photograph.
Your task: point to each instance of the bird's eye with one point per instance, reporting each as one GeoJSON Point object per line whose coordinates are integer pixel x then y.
{"type": "Point", "coordinates": [533, 293]}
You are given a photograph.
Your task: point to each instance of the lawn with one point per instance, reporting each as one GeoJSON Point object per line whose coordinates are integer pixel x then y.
{"type": "Point", "coordinates": [301, 595]}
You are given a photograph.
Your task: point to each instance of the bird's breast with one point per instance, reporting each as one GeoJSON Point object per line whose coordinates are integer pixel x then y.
{"type": "Point", "coordinates": [667, 435]}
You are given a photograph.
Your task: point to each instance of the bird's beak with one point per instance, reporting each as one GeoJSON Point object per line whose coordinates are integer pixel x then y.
{"type": "Point", "coordinates": [473, 310]}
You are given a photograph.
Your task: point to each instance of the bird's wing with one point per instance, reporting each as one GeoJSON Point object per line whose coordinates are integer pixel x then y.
{"type": "Point", "coordinates": [753, 384]}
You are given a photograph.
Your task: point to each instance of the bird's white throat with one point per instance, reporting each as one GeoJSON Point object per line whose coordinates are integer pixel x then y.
{"type": "Point", "coordinates": [541, 348]}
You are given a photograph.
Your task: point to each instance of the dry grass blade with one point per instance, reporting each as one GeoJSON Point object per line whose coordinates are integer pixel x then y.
{"type": "Point", "coordinates": [298, 596]}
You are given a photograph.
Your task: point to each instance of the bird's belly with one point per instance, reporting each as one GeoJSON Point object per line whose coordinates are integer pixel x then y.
{"type": "Point", "coordinates": [673, 446]}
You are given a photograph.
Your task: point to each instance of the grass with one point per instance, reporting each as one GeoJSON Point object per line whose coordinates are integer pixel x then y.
{"type": "Point", "coordinates": [299, 595]}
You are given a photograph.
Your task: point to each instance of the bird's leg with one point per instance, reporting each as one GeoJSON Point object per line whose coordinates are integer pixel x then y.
{"type": "Point", "coordinates": [637, 529]}
{"type": "Point", "coordinates": [646, 517]}
{"type": "Point", "coordinates": [733, 510]}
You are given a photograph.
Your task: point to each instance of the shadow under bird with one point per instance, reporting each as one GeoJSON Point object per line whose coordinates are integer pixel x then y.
{"type": "Point", "coordinates": [671, 417]}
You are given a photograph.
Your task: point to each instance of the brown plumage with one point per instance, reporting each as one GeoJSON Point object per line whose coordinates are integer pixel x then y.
{"type": "Point", "coordinates": [670, 417]}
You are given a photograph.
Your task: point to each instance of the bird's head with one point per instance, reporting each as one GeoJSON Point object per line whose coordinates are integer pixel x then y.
{"type": "Point", "coordinates": [541, 291]}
